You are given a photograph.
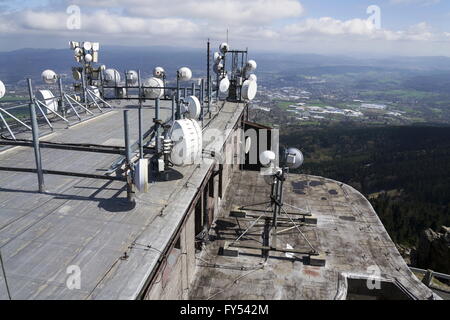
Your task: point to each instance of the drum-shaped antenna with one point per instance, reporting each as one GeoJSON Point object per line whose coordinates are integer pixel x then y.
{"type": "Point", "coordinates": [194, 107]}
{"type": "Point", "coordinates": [154, 88]}
{"type": "Point", "coordinates": [49, 76]}
{"type": "Point", "coordinates": [87, 45]}
{"type": "Point", "coordinates": [294, 158]}
{"type": "Point", "coordinates": [218, 67]}
{"type": "Point", "coordinates": [224, 85]}
{"type": "Point", "coordinates": [76, 74]}
{"type": "Point", "coordinates": [249, 90]}
{"type": "Point", "coordinates": [184, 74]}
{"type": "Point", "coordinates": [132, 77]}
{"type": "Point", "coordinates": [224, 47]}
{"type": "Point", "coordinates": [187, 137]}
{"type": "Point", "coordinates": [217, 57]}
{"type": "Point", "coordinates": [48, 99]}
{"type": "Point", "coordinates": [253, 77]}
{"type": "Point", "coordinates": [159, 72]}
{"type": "Point", "coordinates": [251, 66]}
{"type": "Point", "coordinates": [2, 89]}
{"type": "Point", "coordinates": [267, 157]}
{"type": "Point", "coordinates": [88, 58]}
{"type": "Point", "coordinates": [112, 77]}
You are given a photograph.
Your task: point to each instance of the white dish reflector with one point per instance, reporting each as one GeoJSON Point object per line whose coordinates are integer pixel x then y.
{"type": "Point", "coordinates": [184, 74]}
{"type": "Point", "coordinates": [194, 107]}
{"type": "Point", "coordinates": [48, 99]}
{"type": "Point", "coordinates": [157, 91]}
{"type": "Point", "coordinates": [249, 90]}
{"type": "Point", "coordinates": [253, 77]}
{"type": "Point", "coordinates": [224, 85]}
{"type": "Point", "coordinates": [132, 78]}
{"type": "Point", "coordinates": [87, 46]}
{"type": "Point", "coordinates": [49, 76]}
{"type": "Point", "coordinates": [158, 72]}
{"type": "Point", "coordinates": [251, 65]}
{"type": "Point", "coordinates": [224, 47]}
{"type": "Point", "coordinates": [188, 144]}
{"type": "Point", "coordinates": [2, 89]}
{"type": "Point", "coordinates": [112, 77]}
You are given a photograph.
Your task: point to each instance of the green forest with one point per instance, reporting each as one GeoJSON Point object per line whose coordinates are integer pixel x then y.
{"type": "Point", "coordinates": [404, 171]}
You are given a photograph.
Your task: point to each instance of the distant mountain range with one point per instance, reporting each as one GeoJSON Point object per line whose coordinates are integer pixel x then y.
{"type": "Point", "coordinates": [17, 65]}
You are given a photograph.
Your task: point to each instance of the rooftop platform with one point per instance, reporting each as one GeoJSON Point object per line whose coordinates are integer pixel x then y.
{"type": "Point", "coordinates": [349, 234]}
{"type": "Point", "coordinates": [88, 222]}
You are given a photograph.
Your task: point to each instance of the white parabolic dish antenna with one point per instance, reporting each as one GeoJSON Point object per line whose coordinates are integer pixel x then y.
{"type": "Point", "coordinates": [193, 107]}
{"type": "Point", "coordinates": [187, 137]}
{"type": "Point", "coordinates": [294, 158]}
{"type": "Point", "coordinates": [184, 74]}
{"type": "Point", "coordinates": [158, 72]}
{"type": "Point", "coordinates": [132, 77]}
{"type": "Point", "coordinates": [112, 77]}
{"type": "Point", "coordinates": [249, 90]}
{"type": "Point", "coordinates": [48, 99]}
{"type": "Point", "coordinates": [267, 157]}
{"type": "Point", "coordinates": [2, 89]}
{"type": "Point", "coordinates": [224, 85]}
{"type": "Point", "coordinates": [253, 77]}
{"type": "Point", "coordinates": [49, 76]}
{"type": "Point", "coordinates": [251, 65]}
{"type": "Point", "coordinates": [156, 91]}
{"type": "Point", "coordinates": [224, 47]}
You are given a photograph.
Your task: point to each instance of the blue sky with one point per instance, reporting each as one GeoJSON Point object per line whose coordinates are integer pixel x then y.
{"type": "Point", "coordinates": [408, 27]}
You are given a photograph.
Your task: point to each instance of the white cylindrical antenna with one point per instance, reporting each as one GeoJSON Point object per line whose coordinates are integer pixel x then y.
{"type": "Point", "coordinates": [184, 74]}
{"type": "Point", "coordinates": [2, 89]}
{"type": "Point", "coordinates": [224, 47]}
{"type": "Point", "coordinates": [294, 158]}
{"type": "Point", "coordinates": [159, 72]}
{"type": "Point", "coordinates": [88, 58]}
{"type": "Point", "coordinates": [87, 45]}
{"type": "Point", "coordinates": [49, 76]}
{"type": "Point", "coordinates": [154, 88]}
{"type": "Point", "coordinates": [249, 90]}
{"type": "Point", "coordinates": [267, 157]}
{"type": "Point", "coordinates": [251, 65]}
{"type": "Point", "coordinates": [78, 52]}
{"type": "Point", "coordinates": [132, 77]}
{"type": "Point", "coordinates": [253, 77]}
{"type": "Point", "coordinates": [224, 85]}
{"type": "Point", "coordinates": [112, 77]}
{"type": "Point", "coordinates": [194, 107]}
{"type": "Point", "coordinates": [217, 57]}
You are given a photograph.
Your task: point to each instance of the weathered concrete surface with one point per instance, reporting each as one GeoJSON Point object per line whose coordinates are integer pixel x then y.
{"type": "Point", "coordinates": [86, 222]}
{"type": "Point", "coordinates": [348, 233]}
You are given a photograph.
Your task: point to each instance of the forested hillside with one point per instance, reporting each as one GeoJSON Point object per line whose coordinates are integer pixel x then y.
{"type": "Point", "coordinates": [404, 171]}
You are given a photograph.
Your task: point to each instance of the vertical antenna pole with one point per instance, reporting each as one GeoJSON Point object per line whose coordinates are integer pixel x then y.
{"type": "Point", "coordinates": [141, 142]}
{"type": "Point", "coordinates": [193, 89]}
{"type": "Point", "coordinates": [202, 99]}
{"type": "Point", "coordinates": [173, 108]}
{"type": "Point", "coordinates": [128, 157]}
{"type": "Point", "coordinates": [157, 125]}
{"type": "Point", "coordinates": [178, 113]}
{"type": "Point", "coordinates": [83, 84]}
{"type": "Point", "coordinates": [61, 94]}
{"type": "Point", "coordinates": [35, 132]}
{"type": "Point", "coordinates": [208, 72]}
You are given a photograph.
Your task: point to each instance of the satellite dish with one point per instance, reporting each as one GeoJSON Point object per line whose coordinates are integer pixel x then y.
{"type": "Point", "coordinates": [49, 76]}
{"type": "Point", "coordinates": [156, 90]}
{"type": "Point", "coordinates": [112, 77]}
{"type": "Point", "coordinates": [184, 74]}
{"type": "Point", "coordinates": [48, 99]}
{"type": "Point", "coordinates": [248, 145]}
{"type": "Point", "coordinates": [267, 157]}
{"type": "Point", "coordinates": [217, 57]}
{"type": "Point", "coordinates": [78, 52]}
{"type": "Point", "coordinates": [224, 85]}
{"type": "Point", "coordinates": [2, 89]}
{"type": "Point", "coordinates": [294, 158]}
{"type": "Point", "coordinates": [132, 77]}
{"type": "Point", "coordinates": [187, 137]}
{"type": "Point", "coordinates": [218, 67]}
{"type": "Point", "coordinates": [249, 90]}
{"type": "Point", "coordinates": [87, 46]}
{"type": "Point", "coordinates": [159, 72]}
{"type": "Point", "coordinates": [88, 58]}
{"type": "Point", "coordinates": [224, 47]}
{"type": "Point", "coordinates": [253, 77]}
{"type": "Point", "coordinates": [194, 107]}
{"type": "Point", "coordinates": [76, 74]}
{"type": "Point", "coordinates": [251, 66]}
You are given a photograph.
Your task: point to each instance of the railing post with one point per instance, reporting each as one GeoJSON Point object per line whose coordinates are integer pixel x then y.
{"type": "Point", "coordinates": [35, 133]}
{"type": "Point", "coordinates": [129, 171]}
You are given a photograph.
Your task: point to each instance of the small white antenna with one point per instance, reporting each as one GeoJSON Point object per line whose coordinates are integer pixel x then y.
{"type": "Point", "coordinates": [2, 89]}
